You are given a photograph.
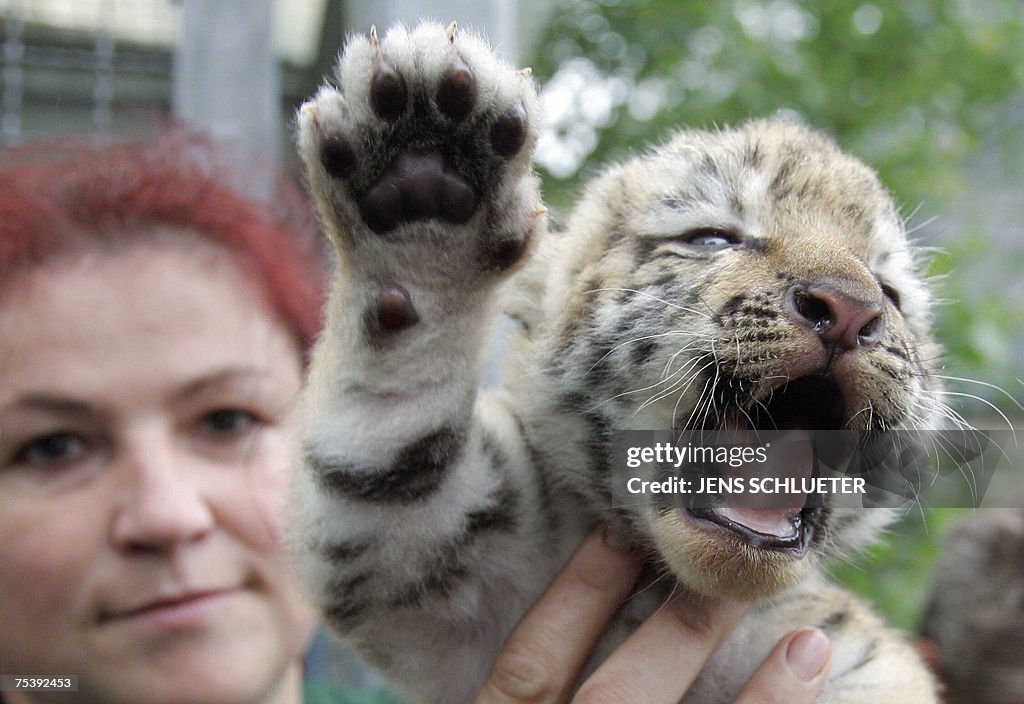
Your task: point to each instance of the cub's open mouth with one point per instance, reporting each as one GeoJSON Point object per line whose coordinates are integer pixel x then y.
{"type": "Point", "coordinates": [785, 530]}
{"type": "Point", "coordinates": [809, 403]}
{"type": "Point", "coordinates": [787, 523]}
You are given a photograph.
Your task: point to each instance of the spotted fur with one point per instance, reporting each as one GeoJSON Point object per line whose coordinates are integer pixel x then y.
{"type": "Point", "coordinates": [684, 292]}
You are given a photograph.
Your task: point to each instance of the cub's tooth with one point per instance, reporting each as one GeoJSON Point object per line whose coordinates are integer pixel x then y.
{"type": "Point", "coordinates": [526, 72]}
{"type": "Point", "coordinates": [373, 37]}
{"type": "Point", "coordinates": [451, 31]}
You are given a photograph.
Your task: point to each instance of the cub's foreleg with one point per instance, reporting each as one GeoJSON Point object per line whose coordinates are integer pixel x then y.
{"type": "Point", "coordinates": [414, 496]}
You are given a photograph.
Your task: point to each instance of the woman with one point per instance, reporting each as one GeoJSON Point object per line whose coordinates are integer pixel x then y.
{"type": "Point", "coordinates": [153, 331]}
{"type": "Point", "coordinates": [152, 334]}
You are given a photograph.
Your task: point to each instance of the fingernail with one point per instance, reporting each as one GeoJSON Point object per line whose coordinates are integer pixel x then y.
{"type": "Point", "coordinates": [808, 653]}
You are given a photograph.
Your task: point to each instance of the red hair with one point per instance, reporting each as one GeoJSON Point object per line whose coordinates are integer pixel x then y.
{"type": "Point", "coordinates": [64, 196]}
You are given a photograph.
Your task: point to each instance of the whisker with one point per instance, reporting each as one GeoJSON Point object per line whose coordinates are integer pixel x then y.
{"type": "Point", "coordinates": [658, 383]}
{"type": "Point", "coordinates": [653, 297]}
{"type": "Point", "coordinates": [678, 385]}
{"type": "Point", "coordinates": [921, 225]}
{"type": "Point", "coordinates": [647, 337]}
{"type": "Point", "coordinates": [987, 385]}
{"type": "Point", "coordinates": [986, 402]}
{"type": "Point", "coordinates": [679, 352]}
{"type": "Point", "coordinates": [700, 401]}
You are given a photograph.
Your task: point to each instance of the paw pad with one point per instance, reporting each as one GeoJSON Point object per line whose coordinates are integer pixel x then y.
{"type": "Point", "coordinates": [456, 95]}
{"type": "Point", "coordinates": [395, 311]}
{"type": "Point", "coordinates": [388, 93]}
{"type": "Point", "coordinates": [508, 134]}
{"type": "Point", "coordinates": [417, 186]}
{"type": "Point", "coordinates": [425, 128]}
{"type": "Point", "coordinates": [337, 156]}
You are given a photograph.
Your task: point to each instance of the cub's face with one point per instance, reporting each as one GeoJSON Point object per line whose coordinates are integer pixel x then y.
{"type": "Point", "coordinates": [753, 279]}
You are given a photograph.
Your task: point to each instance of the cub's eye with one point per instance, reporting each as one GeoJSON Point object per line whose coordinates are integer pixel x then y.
{"type": "Point", "coordinates": [710, 237]}
{"type": "Point", "coordinates": [891, 293]}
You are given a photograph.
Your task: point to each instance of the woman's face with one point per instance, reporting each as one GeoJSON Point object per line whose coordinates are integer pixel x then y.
{"type": "Point", "coordinates": [145, 402]}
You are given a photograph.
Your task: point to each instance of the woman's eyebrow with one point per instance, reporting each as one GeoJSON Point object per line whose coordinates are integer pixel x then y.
{"type": "Point", "coordinates": [221, 378]}
{"type": "Point", "coordinates": [53, 404]}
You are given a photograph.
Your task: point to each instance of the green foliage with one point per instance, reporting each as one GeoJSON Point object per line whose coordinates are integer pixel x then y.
{"type": "Point", "coordinates": [909, 87]}
{"type": "Point", "coordinates": [894, 574]}
{"type": "Point", "coordinates": [981, 323]}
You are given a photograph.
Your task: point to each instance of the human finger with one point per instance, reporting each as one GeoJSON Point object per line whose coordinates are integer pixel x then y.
{"type": "Point", "coordinates": [793, 673]}
{"type": "Point", "coordinates": [662, 658]}
{"type": "Point", "coordinates": [543, 657]}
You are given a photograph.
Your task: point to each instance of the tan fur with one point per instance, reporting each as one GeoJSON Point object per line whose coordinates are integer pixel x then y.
{"type": "Point", "coordinates": [729, 567]}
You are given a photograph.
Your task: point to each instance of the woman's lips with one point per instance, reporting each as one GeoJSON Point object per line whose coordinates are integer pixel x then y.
{"type": "Point", "coordinates": [175, 611]}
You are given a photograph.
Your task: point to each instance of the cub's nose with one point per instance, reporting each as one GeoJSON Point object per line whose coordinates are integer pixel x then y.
{"type": "Point", "coordinates": [839, 318]}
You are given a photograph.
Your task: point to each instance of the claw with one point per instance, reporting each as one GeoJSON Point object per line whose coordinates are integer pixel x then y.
{"type": "Point", "coordinates": [451, 31]}
{"type": "Point", "coordinates": [309, 111]}
{"type": "Point", "coordinates": [539, 211]}
{"type": "Point", "coordinates": [373, 37]}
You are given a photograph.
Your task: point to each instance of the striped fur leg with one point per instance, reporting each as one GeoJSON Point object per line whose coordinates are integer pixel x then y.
{"type": "Point", "coordinates": [411, 492]}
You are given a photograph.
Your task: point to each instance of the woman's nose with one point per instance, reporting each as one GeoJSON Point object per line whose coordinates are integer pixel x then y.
{"type": "Point", "coordinates": [162, 503]}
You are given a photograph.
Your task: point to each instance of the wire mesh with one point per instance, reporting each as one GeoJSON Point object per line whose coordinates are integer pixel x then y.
{"type": "Point", "coordinates": [77, 66]}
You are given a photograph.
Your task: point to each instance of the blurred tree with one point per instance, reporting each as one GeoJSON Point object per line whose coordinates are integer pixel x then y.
{"type": "Point", "coordinates": [910, 87]}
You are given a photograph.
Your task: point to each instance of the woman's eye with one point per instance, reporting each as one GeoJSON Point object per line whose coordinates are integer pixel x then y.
{"type": "Point", "coordinates": [53, 450]}
{"type": "Point", "coordinates": [229, 422]}
{"type": "Point", "coordinates": [711, 238]}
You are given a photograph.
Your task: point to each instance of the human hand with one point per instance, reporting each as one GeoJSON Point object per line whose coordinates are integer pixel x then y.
{"type": "Point", "coordinates": [544, 655]}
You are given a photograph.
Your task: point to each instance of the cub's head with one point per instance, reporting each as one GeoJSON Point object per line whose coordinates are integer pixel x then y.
{"type": "Point", "coordinates": [741, 280]}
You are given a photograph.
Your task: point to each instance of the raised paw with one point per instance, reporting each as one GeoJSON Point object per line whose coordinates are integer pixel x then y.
{"type": "Point", "coordinates": [427, 131]}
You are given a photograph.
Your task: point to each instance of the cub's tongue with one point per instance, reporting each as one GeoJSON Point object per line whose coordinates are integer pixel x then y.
{"type": "Point", "coordinates": [781, 523]}
{"type": "Point", "coordinates": [776, 514]}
